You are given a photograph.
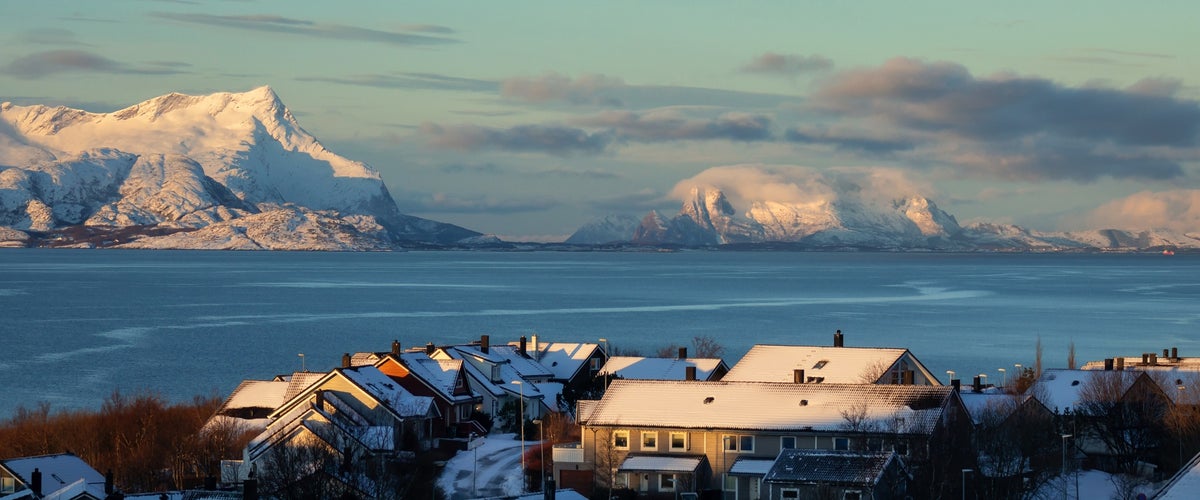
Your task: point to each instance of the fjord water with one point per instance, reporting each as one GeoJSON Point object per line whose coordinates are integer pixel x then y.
{"type": "Point", "coordinates": [77, 325]}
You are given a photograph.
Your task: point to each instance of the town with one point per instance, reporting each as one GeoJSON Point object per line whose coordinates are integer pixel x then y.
{"type": "Point", "coordinates": [588, 420]}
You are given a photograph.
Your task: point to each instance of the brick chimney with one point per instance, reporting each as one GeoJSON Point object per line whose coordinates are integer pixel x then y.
{"type": "Point", "coordinates": [346, 360]}
{"type": "Point", "coordinates": [798, 376]}
{"type": "Point", "coordinates": [682, 353]}
{"type": "Point", "coordinates": [838, 339]}
{"type": "Point", "coordinates": [1175, 353]}
{"type": "Point", "coordinates": [523, 345]}
{"type": "Point", "coordinates": [1108, 364]}
{"type": "Point", "coordinates": [429, 348]}
{"type": "Point", "coordinates": [35, 482]}
{"type": "Point", "coordinates": [485, 344]}
{"type": "Point", "coordinates": [689, 373]}
{"type": "Point", "coordinates": [1120, 364]}
{"type": "Point", "coordinates": [977, 384]}
{"type": "Point", "coordinates": [395, 347]}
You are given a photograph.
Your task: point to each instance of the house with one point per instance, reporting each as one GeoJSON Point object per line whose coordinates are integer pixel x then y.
{"type": "Point", "coordinates": [680, 367]}
{"type": "Point", "coordinates": [358, 415]}
{"type": "Point", "coordinates": [444, 380]}
{"type": "Point", "coordinates": [849, 475]}
{"type": "Point", "coordinates": [710, 426]}
{"type": "Point", "coordinates": [248, 406]}
{"type": "Point", "coordinates": [1148, 361]}
{"type": "Point", "coordinates": [496, 375]}
{"type": "Point", "coordinates": [62, 476]}
{"type": "Point", "coordinates": [572, 364]}
{"type": "Point", "coordinates": [832, 365]}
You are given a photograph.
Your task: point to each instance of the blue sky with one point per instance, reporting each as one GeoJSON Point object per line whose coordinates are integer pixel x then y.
{"type": "Point", "coordinates": [529, 118]}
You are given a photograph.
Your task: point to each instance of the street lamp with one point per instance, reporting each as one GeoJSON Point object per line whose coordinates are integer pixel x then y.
{"type": "Point", "coordinates": [982, 380]}
{"type": "Point", "coordinates": [950, 373]}
{"type": "Point", "coordinates": [541, 452]}
{"type": "Point", "coordinates": [1003, 377]}
{"type": "Point", "coordinates": [1065, 437]}
{"type": "Point", "coordinates": [302, 367]}
{"type": "Point", "coordinates": [964, 482]}
{"type": "Point", "coordinates": [521, 423]}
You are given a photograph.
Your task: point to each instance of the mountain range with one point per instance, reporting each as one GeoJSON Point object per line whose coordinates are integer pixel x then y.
{"type": "Point", "coordinates": [708, 219]}
{"type": "Point", "coordinates": [221, 171]}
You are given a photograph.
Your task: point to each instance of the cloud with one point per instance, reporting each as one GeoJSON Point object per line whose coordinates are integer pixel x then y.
{"type": "Point", "coordinates": [744, 185]}
{"type": "Point", "coordinates": [586, 89]}
{"type": "Point", "coordinates": [42, 64]}
{"type": "Point", "coordinates": [408, 80]}
{"type": "Point", "coordinates": [445, 203]}
{"type": "Point", "coordinates": [471, 168]}
{"type": "Point", "coordinates": [1005, 125]}
{"type": "Point", "coordinates": [787, 64]}
{"type": "Point", "coordinates": [1177, 210]}
{"type": "Point", "coordinates": [570, 172]}
{"type": "Point", "coordinates": [289, 26]}
{"type": "Point", "coordinates": [551, 139]}
{"type": "Point", "coordinates": [638, 202]}
{"type": "Point", "coordinates": [670, 125]}
{"type": "Point", "coordinates": [50, 36]}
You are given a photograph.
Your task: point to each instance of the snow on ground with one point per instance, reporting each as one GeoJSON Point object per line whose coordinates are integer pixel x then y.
{"type": "Point", "coordinates": [1093, 484]}
{"type": "Point", "coordinates": [495, 473]}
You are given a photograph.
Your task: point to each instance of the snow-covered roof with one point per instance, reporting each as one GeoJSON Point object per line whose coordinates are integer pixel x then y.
{"type": "Point", "coordinates": [1060, 389]}
{"type": "Point", "coordinates": [659, 463]}
{"type": "Point", "coordinates": [564, 359]}
{"type": "Point", "coordinates": [978, 403]}
{"type": "Point", "coordinates": [298, 382]}
{"type": "Point", "coordinates": [1160, 364]}
{"type": "Point", "coordinates": [1184, 484]}
{"type": "Point", "coordinates": [61, 473]}
{"type": "Point", "coordinates": [849, 468]}
{"type": "Point", "coordinates": [256, 394]}
{"type": "Point", "coordinates": [523, 364]}
{"type": "Point", "coordinates": [439, 374]}
{"type": "Point", "coordinates": [504, 385]}
{"type": "Point", "coordinates": [641, 368]}
{"type": "Point", "coordinates": [907, 409]}
{"type": "Point", "coordinates": [584, 409]}
{"type": "Point", "coordinates": [380, 386]}
{"type": "Point", "coordinates": [836, 365]}
{"type": "Point", "coordinates": [550, 392]}
{"type": "Point", "coordinates": [744, 466]}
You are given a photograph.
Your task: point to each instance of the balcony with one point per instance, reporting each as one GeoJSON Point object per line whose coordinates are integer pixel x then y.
{"type": "Point", "coordinates": [568, 453]}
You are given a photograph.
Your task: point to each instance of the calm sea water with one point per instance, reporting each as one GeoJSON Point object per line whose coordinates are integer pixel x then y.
{"type": "Point", "coordinates": [76, 325]}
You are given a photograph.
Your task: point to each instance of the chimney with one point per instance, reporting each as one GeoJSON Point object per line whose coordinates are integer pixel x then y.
{"type": "Point", "coordinates": [537, 353]}
{"type": "Point", "coordinates": [977, 385]}
{"type": "Point", "coordinates": [908, 377]}
{"type": "Point", "coordinates": [549, 489]}
{"type": "Point", "coordinates": [682, 353]}
{"type": "Point", "coordinates": [1175, 353]}
{"type": "Point", "coordinates": [429, 348]}
{"type": "Point", "coordinates": [955, 384]}
{"type": "Point", "coordinates": [346, 360]}
{"type": "Point", "coordinates": [108, 482]}
{"type": "Point", "coordinates": [1154, 358]}
{"type": "Point", "coordinates": [395, 347]}
{"type": "Point", "coordinates": [1166, 353]}
{"type": "Point", "coordinates": [798, 376]}
{"type": "Point", "coordinates": [1120, 364]}
{"type": "Point", "coordinates": [35, 482]}
{"type": "Point", "coordinates": [689, 373]}
{"type": "Point", "coordinates": [1108, 364]}
{"type": "Point", "coordinates": [523, 346]}
{"type": "Point", "coordinates": [1145, 358]}
{"type": "Point", "coordinates": [485, 343]}
{"type": "Point", "coordinates": [838, 339]}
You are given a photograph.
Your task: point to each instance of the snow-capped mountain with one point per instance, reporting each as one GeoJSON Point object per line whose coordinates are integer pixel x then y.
{"type": "Point", "coordinates": [605, 230]}
{"type": "Point", "coordinates": [706, 218]}
{"type": "Point", "coordinates": [186, 162]}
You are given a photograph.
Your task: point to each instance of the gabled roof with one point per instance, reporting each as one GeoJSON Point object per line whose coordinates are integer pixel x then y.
{"type": "Point", "coordinates": [256, 394]}
{"type": "Point", "coordinates": [829, 467]}
{"type": "Point", "coordinates": [565, 359]}
{"type": "Point", "coordinates": [1060, 389]}
{"type": "Point", "coordinates": [63, 472]}
{"type": "Point", "coordinates": [836, 365]}
{"type": "Point", "coordinates": [526, 366]}
{"type": "Point", "coordinates": [642, 368]}
{"type": "Point", "coordinates": [439, 375]}
{"type": "Point", "coordinates": [376, 385]}
{"type": "Point", "coordinates": [906, 409]}
{"type": "Point", "coordinates": [979, 403]}
{"type": "Point", "coordinates": [298, 382]}
{"type": "Point", "coordinates": [508, 374]}
{"type": "Point", "coordinates": [1184, 484]}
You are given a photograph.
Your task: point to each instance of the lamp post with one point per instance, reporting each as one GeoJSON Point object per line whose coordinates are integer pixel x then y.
{"type": "Point", "coordinates": [541, 452]}
{"type": "Point", "coordinates": [1003, 377]}
{"type": "Point", "coordinates": [964, 482]}
{"type": "Point", "coordinates": [607, 356]}
{"type": "Point", "coordinates": [982, 380]}
{"type": "Point", "coordinates": [1065, 437]}
{"type": "Point", "coordinates": [302, 367]}
{"type": "Point", "coordinates": [521, 423]}
{"type": "Point", "coordinates": [1179, 401]}
{"type": "Point", "coordinates": [950, 373]}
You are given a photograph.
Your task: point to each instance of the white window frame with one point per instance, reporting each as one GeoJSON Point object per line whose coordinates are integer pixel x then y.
{"type": "Point", "coordinates": [795, 442]}
{"type": "Point", "coordinates": [671, 441]}
{"type": "Point", "coordinates": [652, 434]}
{"type": "Point", "coordinates": [464, 412]}
{"type": "Point", "coordinates": [733, 443]}
{"type": "Point", "coordinates": [615, 435]}
{"type": "Point", "coordinates": [794, 492]}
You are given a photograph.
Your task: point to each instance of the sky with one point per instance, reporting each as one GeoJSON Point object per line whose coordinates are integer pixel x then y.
{"type": "Point", "coordinates": [528, 119]}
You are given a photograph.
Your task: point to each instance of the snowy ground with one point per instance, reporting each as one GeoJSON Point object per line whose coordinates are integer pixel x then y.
{"type": "Point", "coordinates": [1092, 485]}
{"type": "Point", "coordinates": [496, 472]}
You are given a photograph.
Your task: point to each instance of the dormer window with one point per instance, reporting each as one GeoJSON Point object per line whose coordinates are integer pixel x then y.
{"type": "Point", "coordinates": [495, 373]}
{"type": "Point", "coordinates": [820, 364]}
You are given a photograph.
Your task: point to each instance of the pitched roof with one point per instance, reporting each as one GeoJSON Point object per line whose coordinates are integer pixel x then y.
{"type": "Point", "coordinates": [849, 468]}
{"type": "Point", "coordinates": [565, 359]}
{"type": "Point", "coordinates": [60, 472]}
{"type": "Point", "coordinates": [743, 466]}
{"type": "Point", "coordinates": [836, 365]}
{"type": "Point", "coordinates": [298, 382]}
{"type": "Point", "coordinates": [642, 368]}
{"type": "Point", "coordinates": [523, 364]}
{"type": "Point", "coordinates": [908, 409]}
{"type": "Point", "coordinates": [1060, 389]}
{"type": "Point", "coordinates": [256, 394]}
{"type": "Point", "coordinates": [387, 391]}
{"type": "Point", "coordinates": [659, 463]}
{"type": "Point", "coordinates": [504, 386]}
{"type": "Point", "coordinates": [979, 403]}
{"type": "Point", "coordinates": [439, 374]}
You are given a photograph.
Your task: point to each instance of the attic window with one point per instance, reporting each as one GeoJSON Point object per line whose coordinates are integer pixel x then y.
{"type": "Point", "coordinates": [1074, 383]}
{"type": "Point", "coordinates": [803, 402]}
{"type": "Point", "coordinates": [554, 363]}
{"type": "Point", "coordinates": [820, 364]}
{"type": "Point", "coordinates": [709, 400]}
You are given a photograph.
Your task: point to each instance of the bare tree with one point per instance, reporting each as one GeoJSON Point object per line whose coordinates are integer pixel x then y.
{"type": "Point", "coordinates": [873, 371]}
{"type": "Point", "coordinates": [1071, 355]}
{"type": "Point", "coordinates": [1037, 371]}
{"type": "Point", "coordinates": [707, 347]}
{"type": "Point", "coordinates": [1126, 411]}
{"type": "Point", "coordinates": [1015, 438]}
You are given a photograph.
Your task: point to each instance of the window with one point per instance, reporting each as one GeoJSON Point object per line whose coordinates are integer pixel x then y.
{"type": "Point", "coordinates": [789, 494]}
{"type": "Point", "coordinates": [464, 412]}
{"type": "Point", "coordinates": [666, 482]}
{"type": "Point", "coordinates": [594, 364]}
{"type": "Point", "coordinates": [787, 442]}
{"type": "Point", "coordinates": [820, 364]}
{"type": "Point", "coordinates": [458, 382]}
{"type": "Point", "coordinates": [901, 448]}
{"type": "Point", "coordinates": [649, 440]}
{"type": "Point", "coordinates": [730, 483]}
{"type": "Point", "coordinates": [841, 444]}
{"type": "Point", "coordinates": [621, 440]}
{"type": "Point", "coordinates": [852, 495]}
{"type": "Point", "coordinates": [678, 441]}
{"type": "Point", "coordinates": [8, 485]}
{"type": "Point", "coordinates": [741, 444]}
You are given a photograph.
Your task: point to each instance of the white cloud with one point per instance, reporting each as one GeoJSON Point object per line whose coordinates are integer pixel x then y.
{"type": "Point", "coordinates": [1177, 210]}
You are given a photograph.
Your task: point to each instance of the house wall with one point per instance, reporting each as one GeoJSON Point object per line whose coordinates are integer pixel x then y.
{"type": "Point", "coordinates": [449, 410]}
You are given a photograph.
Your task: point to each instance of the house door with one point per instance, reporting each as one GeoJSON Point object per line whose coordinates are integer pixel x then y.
{"type": "Point", "coordinates": [643, 482]}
